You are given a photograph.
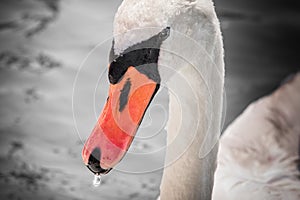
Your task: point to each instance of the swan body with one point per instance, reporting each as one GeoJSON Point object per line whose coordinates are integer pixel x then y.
{"type": "Point", "coordinates": [259, 152]}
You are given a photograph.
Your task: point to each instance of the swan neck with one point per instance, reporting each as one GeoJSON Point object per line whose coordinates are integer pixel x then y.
{"type": "Point", "coordinates": [187, 175]}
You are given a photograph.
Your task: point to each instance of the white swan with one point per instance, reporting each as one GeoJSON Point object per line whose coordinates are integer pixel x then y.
{"type": "Point", "coordinates": [179, 43]}
{"type": "Point", "coordinates": [259, 152]}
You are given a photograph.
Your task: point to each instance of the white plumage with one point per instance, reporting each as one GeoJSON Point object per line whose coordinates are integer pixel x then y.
{"type": "Point", "coordinates": [258, 153]}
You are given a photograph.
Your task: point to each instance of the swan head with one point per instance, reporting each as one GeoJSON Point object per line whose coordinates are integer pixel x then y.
{"type": "Point", "coordinates": [143, 31]}
{"type": "Point", "coordinates": [134, 80]}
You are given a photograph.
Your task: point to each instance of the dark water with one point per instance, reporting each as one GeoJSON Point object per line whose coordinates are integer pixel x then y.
{"type": "Point", "coordinates": [261, 48]}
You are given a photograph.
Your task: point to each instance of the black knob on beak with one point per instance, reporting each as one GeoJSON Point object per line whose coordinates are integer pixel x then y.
{"type": "Point", "coordinates": [94, 163]}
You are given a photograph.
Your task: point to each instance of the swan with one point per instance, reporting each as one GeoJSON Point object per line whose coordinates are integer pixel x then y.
{"type": "Point", "coordinates": [177, 43]}
{"type": "Point", "coordinates": [258, 154]}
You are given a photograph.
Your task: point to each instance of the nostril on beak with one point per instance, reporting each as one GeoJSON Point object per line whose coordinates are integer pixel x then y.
{"type": "Point", "coordinates": [94, 163]}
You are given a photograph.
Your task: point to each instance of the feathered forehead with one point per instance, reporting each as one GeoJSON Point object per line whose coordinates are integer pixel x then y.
{"type": "Point", "coordinates": [138, 20]}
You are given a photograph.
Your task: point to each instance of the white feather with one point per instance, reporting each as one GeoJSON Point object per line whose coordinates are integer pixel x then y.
{"type": "Point", "coordinates": [259, 151]}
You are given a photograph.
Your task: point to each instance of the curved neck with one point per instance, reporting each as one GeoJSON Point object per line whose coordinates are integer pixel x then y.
{"type": "Point", "coordinates": [195, 104]}
{"type": "Point", "coordinates": [189, 168]}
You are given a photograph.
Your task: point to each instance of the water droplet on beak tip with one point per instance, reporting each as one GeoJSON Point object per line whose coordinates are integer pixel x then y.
{"type": "Point", "coordinates": [97, 180]}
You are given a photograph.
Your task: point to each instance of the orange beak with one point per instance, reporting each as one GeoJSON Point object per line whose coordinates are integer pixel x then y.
{"type": "Point", "coordinates": [118, 123]}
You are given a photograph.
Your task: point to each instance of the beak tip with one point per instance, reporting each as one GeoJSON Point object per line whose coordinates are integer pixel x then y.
{"type": "Point", "coordinates": [98, 169]}
{"type": "Point", "coordinates": [92, 161]}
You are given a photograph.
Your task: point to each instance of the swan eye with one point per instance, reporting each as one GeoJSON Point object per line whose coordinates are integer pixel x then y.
{"type": "Point", "coordinates": [143, 56]}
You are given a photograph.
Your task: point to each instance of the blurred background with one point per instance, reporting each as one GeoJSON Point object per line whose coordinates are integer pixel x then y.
{"type": "Point", "coordinates": [50, 98]}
